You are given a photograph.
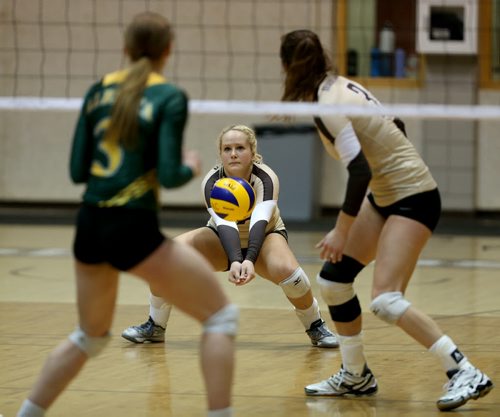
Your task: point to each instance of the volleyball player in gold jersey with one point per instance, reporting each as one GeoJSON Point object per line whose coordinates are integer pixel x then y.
{"type": "Point", "coordinates": [389, 225]}
{"type": "Point", "coordinates": [256, 244]}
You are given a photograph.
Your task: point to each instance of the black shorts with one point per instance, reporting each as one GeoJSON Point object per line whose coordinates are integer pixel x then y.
{"type": "Point", "coordinates": [423, 207]}
{"type": "Point", "coordinates": [281, 232]}
{"type": "Point", "coordinates": [122, 237]}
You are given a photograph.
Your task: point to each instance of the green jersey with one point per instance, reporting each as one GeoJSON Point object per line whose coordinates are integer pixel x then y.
{"type": "Point", "coordinates": [118, 176]}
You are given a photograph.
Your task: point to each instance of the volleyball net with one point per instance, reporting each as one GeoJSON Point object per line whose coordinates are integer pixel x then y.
{"type": "Point", "coordinates": [272, 108]}
{"type": "Point", "coordinates": [226, 54]}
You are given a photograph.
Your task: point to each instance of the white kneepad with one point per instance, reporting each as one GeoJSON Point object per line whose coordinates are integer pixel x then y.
{"type": "Point", "coordinates": [389, 306]}
{"type": "Point", "coordinates": [223, 321]}
{"type": "Point", "coordinates": [91, 346]}
{"type": "Point", "coordinates": [296, 285]}
{"type": "Point", "coordinates": [335, 293]}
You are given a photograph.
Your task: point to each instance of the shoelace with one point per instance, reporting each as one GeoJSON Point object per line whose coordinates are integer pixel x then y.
{"type": "Point", "coordinates": [148, 326]}
{"type": "Point", "coordinates": [457, 381]}
{"type": "Point", "coordinates": [321, 331]}
{"type": "Point", "coordinates": [339, 377]}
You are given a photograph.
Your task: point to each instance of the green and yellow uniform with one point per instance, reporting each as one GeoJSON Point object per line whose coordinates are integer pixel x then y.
{"type": "Point", "coordinates": [117, 176]}
{"type": "Point", "coordinates": [118, 221]}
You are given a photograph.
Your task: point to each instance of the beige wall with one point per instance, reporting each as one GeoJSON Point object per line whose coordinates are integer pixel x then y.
{"type": "Point", "coordinates": [488, 157]}
{"type": "Point", "coordinates": [34, 145]}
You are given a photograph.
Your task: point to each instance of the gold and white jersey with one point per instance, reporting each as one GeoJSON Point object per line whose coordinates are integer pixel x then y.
{"type": "Point", "coordinates": [266, 185]}
{"type": "Point", "coordinates": [397, 170]}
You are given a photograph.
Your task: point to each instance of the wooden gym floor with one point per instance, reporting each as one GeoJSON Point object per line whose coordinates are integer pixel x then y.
{"type": "Point", "coordinates": [457, 281]}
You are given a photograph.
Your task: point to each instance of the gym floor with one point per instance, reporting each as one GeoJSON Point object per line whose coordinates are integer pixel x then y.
{"type": "Point", "coordinates": [456, 282]}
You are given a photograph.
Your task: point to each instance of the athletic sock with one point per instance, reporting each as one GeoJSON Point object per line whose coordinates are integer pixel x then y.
{"type": "Point", "coordinates": [309, 315]}
{"type": "Point", "coordinates": [352, 351]}
{"type": "Point", "coordinates": [159, 310]}
{"type": "Point", "coordinates": [221, 412]}
{"type": "Point", "coordinates": [448, 354]}
{"type": "Point", "coordinates": [30, 409]}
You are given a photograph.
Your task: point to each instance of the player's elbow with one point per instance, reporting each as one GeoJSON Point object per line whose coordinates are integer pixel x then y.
{"type": "Point", "coordinates": [78, 177]}
{"type": "Point", "coordinates": [168, 182]}
{"type": "Point", "coordinates": [172, 178]}
{"type": "Point", "coordinates": [365, 176]}
{"type": "Point", "coordinates": [172, 181]}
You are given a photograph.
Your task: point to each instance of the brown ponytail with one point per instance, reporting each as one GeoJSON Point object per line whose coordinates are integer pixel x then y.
{"type": "Point", "coordinates": [146, 39]}
{"type": "Point", "coordinates": [305, 64]}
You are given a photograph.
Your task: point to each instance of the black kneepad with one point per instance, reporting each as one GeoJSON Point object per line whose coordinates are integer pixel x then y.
{"type": "Point", "coordinates": [347, 312]}
{"type": "Point", "coordinates": [344, 271]}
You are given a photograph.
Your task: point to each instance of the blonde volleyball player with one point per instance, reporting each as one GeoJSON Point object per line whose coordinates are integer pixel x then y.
{"type": "Point", "coordinates": [255, 245]}
{"type": "Point", "coordinates": [128, 140]}
{"type": "Point", "coordinates": [390, 225]}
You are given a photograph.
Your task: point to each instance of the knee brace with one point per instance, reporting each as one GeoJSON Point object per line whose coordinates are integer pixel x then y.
{"type": "Point", "coordinates": [91, 346]}
{"type": "Point", "coordinates": [223, 321]}
{"type": "Point", "coordinates": [344, 271]}
{"type": "Point", "coordinates": [389, 306]}
{"type": "Point", "coordinates": [335, 283]}
{"type": "Point", "coordinates": [296, 285]}
{"type": "Point", "coordinates": [335, 293]}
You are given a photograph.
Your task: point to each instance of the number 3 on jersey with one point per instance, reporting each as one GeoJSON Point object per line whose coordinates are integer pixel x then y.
{"type": "Point", "coordinates": [112, 151]}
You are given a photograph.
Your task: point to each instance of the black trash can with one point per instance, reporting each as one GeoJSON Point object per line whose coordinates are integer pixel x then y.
{"type": "Point", "coordinates": [293, 151]}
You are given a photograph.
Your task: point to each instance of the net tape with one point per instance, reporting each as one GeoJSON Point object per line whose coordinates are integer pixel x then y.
{"type": "Point", "coordinates": [417, 111]}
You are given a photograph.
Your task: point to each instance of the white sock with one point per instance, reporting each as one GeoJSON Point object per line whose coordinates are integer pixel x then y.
{"type": "Point", "coordinates": [309, 315]}
{"type": "Point", "coordinates": [159, 310]}
{"type": "Point", "coordinates": [30, 409]}
{"type": "Point", "coordinates": [448, 354]}
{"type": "Point", "coordinates": [353, 357]}
{"type": "Point", "coordinates": [221, 412]}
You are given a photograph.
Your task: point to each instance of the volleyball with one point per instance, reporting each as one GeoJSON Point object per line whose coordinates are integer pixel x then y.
{"type": "Point", "coordinates": [232, 199]}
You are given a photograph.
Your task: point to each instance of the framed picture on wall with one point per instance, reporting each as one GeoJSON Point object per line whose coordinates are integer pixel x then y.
{"type": "Point", "coordinates": [447, 26]}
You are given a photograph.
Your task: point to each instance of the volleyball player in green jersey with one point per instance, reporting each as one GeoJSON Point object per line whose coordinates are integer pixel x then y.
{"type": "Point", "coordinates": [256, 244]}
{"type": "Point", "coordinates": [389, 225]}
{"type": "Point", "coordinates": [128, 142]}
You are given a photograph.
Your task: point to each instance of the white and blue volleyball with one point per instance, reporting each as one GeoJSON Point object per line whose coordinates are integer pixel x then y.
{"type": "Point", "coordinates": [232, 199]}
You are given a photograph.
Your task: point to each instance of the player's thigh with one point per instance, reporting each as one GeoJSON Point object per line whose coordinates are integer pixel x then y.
{"type": "Point", "coordinates": [364, 234]}
{"type": "Point", "coordinates": [207, 242]}
{"type": "Point", "coordinates": [400, 244]}
{"type": "Point", "coordinates": [183, 277]}
{"type": "Point", "coordinates": [276, 261]}
{"type": "Point", "coordinates": [97, 287]}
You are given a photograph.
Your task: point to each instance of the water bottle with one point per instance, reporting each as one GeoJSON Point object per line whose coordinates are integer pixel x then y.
{"type": "Point", "coordinates": [387, 39]}
{"type": "Point", "coordinates": [352, 63]}
{"type": "Point", "coordinates": [386, 46]}
{"type": "Point", "coordinates": [399, 63]}
{"type": "Point", "coordinates": [375, 62]}
{"type": "Point", "coordinates": [412, 66]}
